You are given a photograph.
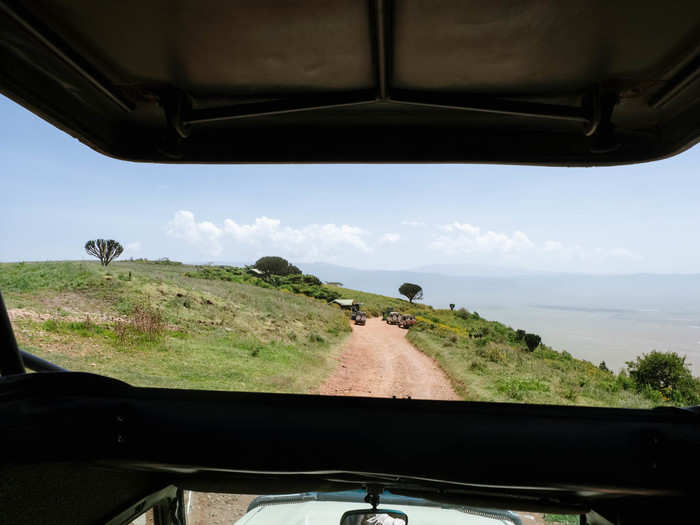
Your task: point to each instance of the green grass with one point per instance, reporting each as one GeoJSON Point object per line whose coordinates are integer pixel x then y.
{"type": "Point", "coordinates": [486, 361]}
{"type": "Point", "coordinates": [222, 328]}
{"type": "Point", "coordinates": [32, 277]}
{"type": "Point", "coordinates": [561, 519]}
{"type": "Point", "coordinates": [216, 334]}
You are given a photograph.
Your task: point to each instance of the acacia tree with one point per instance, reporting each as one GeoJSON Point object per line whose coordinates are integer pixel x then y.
{"type": "Point", "coordinates": [452, 306]}
{"type": "Point", "coordinates": [272, 265]}
{"type": "Point", "coordinates": [105, 250]}
{"type": "Point", "coordinates": [412, 291]}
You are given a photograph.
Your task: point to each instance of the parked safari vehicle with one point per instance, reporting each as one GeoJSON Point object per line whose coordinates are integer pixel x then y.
{"type": "Point", "coordinates": [349, 508]}
{"type": "Point", "coordinates": [361, 318]}
{"type": "Point", "coordinates": [393, 318]}
{"type": "Point", "coordinates": [407, 321]}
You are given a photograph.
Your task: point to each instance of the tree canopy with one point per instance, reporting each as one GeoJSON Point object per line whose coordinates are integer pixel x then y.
{"type": "Point", "coordinates": [273, 265]}
{"type": "Point", "coordinates": [666, 373]}
{"type": "Point", "coordinates": [532, 341]}
{"type": "Point", "coordinates": [412, 291]}
{"type": "Point", "coordinates": [106, 250]}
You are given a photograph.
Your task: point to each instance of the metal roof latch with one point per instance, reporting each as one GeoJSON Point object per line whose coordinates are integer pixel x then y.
{"type": "Point", "coordinates": [600, 128]}
{"type": "Point", "coordinates": [176, 105]}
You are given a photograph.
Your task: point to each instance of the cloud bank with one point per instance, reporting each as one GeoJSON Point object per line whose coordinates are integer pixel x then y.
{"type": "Point", "coordinates": [309, 242]}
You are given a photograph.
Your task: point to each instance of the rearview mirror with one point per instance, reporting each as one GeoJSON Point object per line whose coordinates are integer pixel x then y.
{"type": "Point", "coordinates": [374, 517]}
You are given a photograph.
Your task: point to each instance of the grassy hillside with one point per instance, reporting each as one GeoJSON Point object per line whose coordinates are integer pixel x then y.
{"type": "Point", "coordinates": [486, 361]}
{"type": "Point", "coordinates": [161, 323]}
{"type": "Point", "coordinates": [151, 324]}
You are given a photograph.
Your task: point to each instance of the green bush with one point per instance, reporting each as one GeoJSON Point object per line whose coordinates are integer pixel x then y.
{"type": "Point", "coordinates": [462, 313]}
{"type": "Point", "coordinates": [315, 338]}
{"type": "Point", "coordinates": [490, 353]}
{"type": "Point", "coordinates": [518, 388]}
{"type": "Point", "coordinates": [312, 279]}
{"type": "Point", "coordinates": [273, 265]}
{"type": "Point", "coordinates": [477, 367]}
{"type": "Point", "coordinates": [532, 341]}
{"type": "Point", "coordinates": [666, 373]}
{"type": "Point", "coordinates": [308, 285]}
{"type": "Point", "coordinates": [50, 325]}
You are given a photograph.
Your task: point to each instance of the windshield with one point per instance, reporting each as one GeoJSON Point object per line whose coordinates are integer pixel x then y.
{"type": "Point", "coordinates": [532, 285]}
{"type": "Point", "coordinates": [504, 284]}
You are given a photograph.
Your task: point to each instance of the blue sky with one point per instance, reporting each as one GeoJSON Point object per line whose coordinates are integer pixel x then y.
{"type": "Point", "coordinates": [57, 193]}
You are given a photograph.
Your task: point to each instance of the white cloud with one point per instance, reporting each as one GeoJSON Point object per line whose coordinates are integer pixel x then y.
{"type": "Point", "coordinates": [624, 253]}
{"type": "Point", "coordinates": [309, 242]}
{"type": "Point", "coordinates": [578, 252]}
{"type": "Point", "coordinates": [133, 246]}
{"type": "Point", "coordinates": [413, 224]}
{"type": "Point", "coordinates": [204, 234]}
{"type": "Point", "coordinates": [465, 238]}
{"type": "Point", "coordinates": [390, 238]}
{"type": "Point", "coordinates": [553, 246]}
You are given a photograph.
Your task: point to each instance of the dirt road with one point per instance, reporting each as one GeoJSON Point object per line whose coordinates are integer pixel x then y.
{"type": "Point", "coordinates": [378, 361]}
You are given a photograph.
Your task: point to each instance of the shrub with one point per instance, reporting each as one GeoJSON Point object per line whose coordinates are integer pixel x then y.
{"type": "Point", "coordinates": [50, 325]}
{"type": "Point", "coordinates": [519, 335]}
{"type": "Point", "coordinates": [490, 353]}
{"type": "Point", "coordinates": [571, 394]}
{"type": "Point", "coordinates": [145, 323]}
{"type": "Point", "coordinates": [624, 381]}
{"type": "Point", "coordinates": [477, 367]}
{"type": "Point", "coordinates": [462, 313]}
{"type": "Point", "coordinates": [315, 338]}
{"type": "Point", "coordinates": [666, 373]}
{"type": "Point", "coordinates": [312, 279]}
{"type": "Point", "coordinates": [273, 265]}
{"type": "Point", "coordinates": [532, 341]}
{"type": "Point", "coordinates": [518, 388]}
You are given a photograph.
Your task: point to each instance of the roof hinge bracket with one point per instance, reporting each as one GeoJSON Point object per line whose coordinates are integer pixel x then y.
{"type": "Point", "coordinates": [177, 105]}
{"type": "Point", "coordinates": [599, 105]}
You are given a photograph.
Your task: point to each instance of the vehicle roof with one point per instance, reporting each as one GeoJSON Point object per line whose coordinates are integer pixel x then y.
{"type": "Point", "coordinates": [344, 302]}
{"type": "Point", "coordinates": [530, 82]}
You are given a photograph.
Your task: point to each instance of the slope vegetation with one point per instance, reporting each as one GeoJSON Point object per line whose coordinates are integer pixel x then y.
{"type": "Point", "coordinates": [151, 324]}
{"type": "Point", "coordinates": [161, 323]}
{"type": "Point", "coordinates": [488, 361]}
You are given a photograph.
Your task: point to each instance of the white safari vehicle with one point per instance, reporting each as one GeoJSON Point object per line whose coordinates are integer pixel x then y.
{"type": "Point", "coordinates": [350, 508]}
